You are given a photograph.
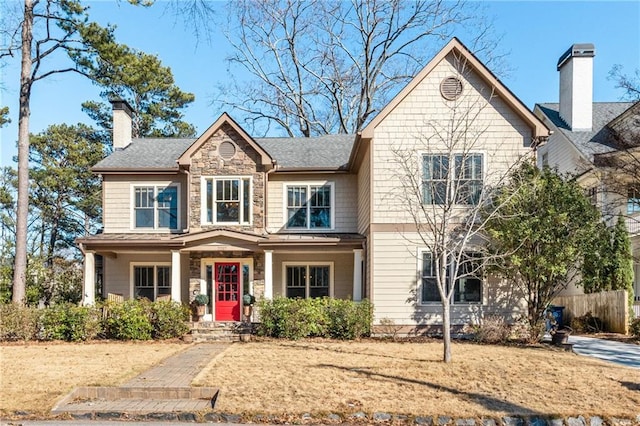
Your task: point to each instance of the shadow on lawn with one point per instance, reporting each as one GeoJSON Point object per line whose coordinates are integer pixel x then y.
{"type": "Point", "coordinates": [306, 347]}
{"type": "Point", "coordinates": [488, 402]}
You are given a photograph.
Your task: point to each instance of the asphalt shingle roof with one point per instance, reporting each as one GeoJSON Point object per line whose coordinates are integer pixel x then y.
{"type": "Point", "coordinates": [599, 139]}
{"type": "Point", "coordinates": [146, 153]}
{"type": "Point", "coordinates": [322, 152]}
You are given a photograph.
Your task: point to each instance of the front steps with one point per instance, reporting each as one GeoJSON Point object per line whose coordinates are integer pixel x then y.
{"type": "Point", "coordinates": [220, 331]}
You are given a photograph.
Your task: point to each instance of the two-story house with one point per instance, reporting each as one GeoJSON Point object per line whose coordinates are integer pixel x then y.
{"type": "Point", "coordinates": [596, 142]}
{"type": "Point", "coordinates": [227, 213]}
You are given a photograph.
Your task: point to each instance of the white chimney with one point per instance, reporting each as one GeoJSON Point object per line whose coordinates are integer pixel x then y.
{"type": "Point", "coordinates": [122, 113]}
{"type": "Point", "coordinates": [576, 86]}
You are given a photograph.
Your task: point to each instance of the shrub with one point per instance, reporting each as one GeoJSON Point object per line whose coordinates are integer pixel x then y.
{"type": "Point", "coordinates": [492, 329]}
{"type": "Point", "coordinates": [634, 327]}
{"type": "Point", "coordinates": [69, 322]}
{"type": "Point", "coordinates": [586, 323]}
{"type": "Point", "coordinates": [129, 320]}
{"type": "Point", "coordinates": [322, 317]}
{"type": "Point", "coordinates": [17, 322]}
{"type": "Point", "coordinates": [169, 319]}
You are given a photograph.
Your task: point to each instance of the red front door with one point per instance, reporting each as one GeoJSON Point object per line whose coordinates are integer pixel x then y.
{"type": "Point", "coordinates": [227, 287]}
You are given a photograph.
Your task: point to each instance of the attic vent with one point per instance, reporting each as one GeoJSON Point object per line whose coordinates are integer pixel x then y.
{"type": "Point", "coordinates": [451, 88]}
{"type": "Point", "coordinates": [227, 150]}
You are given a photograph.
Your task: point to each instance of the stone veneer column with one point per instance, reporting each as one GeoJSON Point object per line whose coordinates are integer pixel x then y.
{"type": "Point", "coordinates": [176, 283]}
{"type": "Point", "coordinates": [89, 278]}
{"type": "Point", "coordinates": [357, 275]}
{"type": "Point", "coordinates": [268, 274]}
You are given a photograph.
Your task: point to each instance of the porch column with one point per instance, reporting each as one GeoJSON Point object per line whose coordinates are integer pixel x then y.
{"type": "Point", "coordinates": [175, 276]}
{"type": "Point", "coordinates": [357, 275]}
{"type": "Point", "coordinates": [89, 278]}
{"type": "Point", "coordinates": [268, 274]}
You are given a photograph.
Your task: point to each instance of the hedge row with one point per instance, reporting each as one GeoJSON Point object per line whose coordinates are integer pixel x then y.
{"type": "Point", "coordinates": [131, 320]}
{"type": "Point", "coordinates": [325, 317]}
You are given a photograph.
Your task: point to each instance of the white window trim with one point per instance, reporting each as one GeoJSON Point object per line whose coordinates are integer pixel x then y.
{"type": "Point", "coordinates": [132, 284]}
{"type": "Point", "coordinates": [203, 201]}
{"type": "Point", "coordinates": [420, 255]}
{"type": "Point", "coordinates": [422, 153]}
{"type": "Point", "coordinates": [308, 184]}
{"type": "Point", "coordinates": [155, 185]}
{"type": "Point", "coordinates": [211, 261]}
{"type": "Point", "coordinates": [308, 264]}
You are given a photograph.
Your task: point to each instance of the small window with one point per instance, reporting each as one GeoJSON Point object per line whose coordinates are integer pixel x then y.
{"type": "Point", "coordinates": [227, 150]}
{"type": "Point", "coordinates": [307, 281]}
{"type": "Point", "coordinates": [151, 281]}
{"type": "Point", "coordinates": [155, 207]}
{"type": "Point", "coordinates": [309, 206]}
{"type": "Point", "coordinates": [451, 88]}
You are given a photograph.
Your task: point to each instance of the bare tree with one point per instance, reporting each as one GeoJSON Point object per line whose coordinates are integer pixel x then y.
{"type": "Point", "coordinates": [630, 83]}
{"type": "Point", "coordinates": [326, 66]}
{"type": "Point", "coordinates": [447, 175]}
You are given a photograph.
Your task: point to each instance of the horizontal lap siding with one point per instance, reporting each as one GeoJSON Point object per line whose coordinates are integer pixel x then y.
{"type": "Point", "coordinates": [396, 290]}
{"type": "Point", "coordinates": [117, 271]}
{"type": "Point", "coordinates": [504, 137]}
{"type": "Point", "coordinates": [346, 194]}
{"type": "Point", "coordinates": [342, 271]}
{"type": "Point", "coordinates": [364, 188]}
{"type": "Point", "coordinates": [118, 199]}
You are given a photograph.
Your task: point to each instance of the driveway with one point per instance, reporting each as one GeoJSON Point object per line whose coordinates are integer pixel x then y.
{"type": "Point", "coordinates": [626, 354]}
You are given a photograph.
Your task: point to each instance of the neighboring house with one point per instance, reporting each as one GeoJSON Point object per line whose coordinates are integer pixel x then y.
{"type": "Point", "coordinates": [586, 136]}
{"type": "Point", "coordinates": [227, 213]}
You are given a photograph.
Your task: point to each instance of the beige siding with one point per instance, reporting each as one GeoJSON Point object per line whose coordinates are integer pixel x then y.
{"type": "Point", "coordinates": [562, 156]}
{"type": "Point", "coordinates": [117, 271]}
{"type": "Point", "coordinates": [364, 193]}
{"type": "Point", "coordinates": [345, 193]}
{"type": "Point", "coordinates": [395, 270]}
{"type": "Point", "coordinates": [342, 271]}
{"type": "Point", "coordinates": [497, 132]}
{"type": "Point", "coordinates": [118, 199]}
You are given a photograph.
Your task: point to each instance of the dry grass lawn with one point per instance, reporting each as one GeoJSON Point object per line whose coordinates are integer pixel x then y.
{"type": "Point", "coordinates": [274, 377]}
{"type": "Point", "coordinates": [33, 376]}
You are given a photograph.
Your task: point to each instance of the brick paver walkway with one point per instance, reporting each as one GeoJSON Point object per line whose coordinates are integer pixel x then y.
{"type": "Point", "coordinates": [171, 376]}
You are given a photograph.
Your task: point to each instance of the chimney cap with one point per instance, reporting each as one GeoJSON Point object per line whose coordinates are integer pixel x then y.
{"type": "Point", "coordinates": [121, 105]}
{"type": "Point", "coordinates": [578, 50]}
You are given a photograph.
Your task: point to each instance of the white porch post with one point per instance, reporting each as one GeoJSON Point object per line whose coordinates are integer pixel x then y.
{"type": "Point", "coordinates": [175, 276]}
{"type": "Point", "coordinates": [89, 278]}
{"type": "Point", "coordinates": [357, 275]}
{"type": "Point", "coordinates": [268, 274]}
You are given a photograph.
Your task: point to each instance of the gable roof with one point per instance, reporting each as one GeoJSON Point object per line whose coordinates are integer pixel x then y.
{"type": "Point", "coordinates": [148, 154]}
{"type": "Point", "coordinates": [598, 140]}
{"type": "Point", "coordinates": [185, 158]}
{"type": "Point", "coordinates": [455, 45]}
{"type": "Point", "coordinates": [327, 152]}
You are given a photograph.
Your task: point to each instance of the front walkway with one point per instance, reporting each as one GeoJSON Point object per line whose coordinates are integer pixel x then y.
{"type": "Point", "coordinates": [164, 388]}
{"type": "Point", "coordinates": [626, 354]}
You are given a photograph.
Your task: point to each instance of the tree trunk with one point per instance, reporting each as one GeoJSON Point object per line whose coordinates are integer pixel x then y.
{"type": "Point", "coordinates": [446, 331]}
{"type": "Point", "coordinates": [20, 263]}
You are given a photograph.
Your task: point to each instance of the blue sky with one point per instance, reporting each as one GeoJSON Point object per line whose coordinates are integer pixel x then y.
{"type": "Point", "coordinates": [535, 34]}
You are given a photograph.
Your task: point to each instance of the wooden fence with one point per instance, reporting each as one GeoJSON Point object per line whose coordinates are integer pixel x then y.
{"type": "Point", "coordinates": [612, 307]}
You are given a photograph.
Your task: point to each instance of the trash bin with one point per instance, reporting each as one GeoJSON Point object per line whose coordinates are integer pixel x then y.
{"type": "Point", "coordinates": [556, 311]}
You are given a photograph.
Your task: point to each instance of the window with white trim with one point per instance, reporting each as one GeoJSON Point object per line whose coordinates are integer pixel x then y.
{"type": "Point", "coordinates": [468, 285]}
{"type": "Point", "coordinates": [308, 281]}
{"type": "Point", "coordinates": [633, 200]}
{"type": "Point", "coordinates": [155, 207]}
{"type": "Point", "coordinates": [465, 180]}
{"type": "Point", "coordinates": [228, 200]}
{"type": "Point", "coordinates": [309, 206]}
{"type": "Point", "coordinates": [151, 281]}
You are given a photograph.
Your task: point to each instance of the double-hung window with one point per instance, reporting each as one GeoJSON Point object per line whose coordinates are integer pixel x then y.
{"type": "Point", "coordinates": [309, 206]}
{"type": "Point", "coordinates": [467, 285]}
{"type": "Point", "coordinates": [151, 281]}
{"type": "Point", "coordinates": [228, 200]}
{"type": "Point", "coordinates": [155, 207]}
{"type": "Point", "coordinates": [633, 200]}
{"type": "Point", "coordinates": [442, 180]}
{"type": "Point", "coordinates": [307, 281]}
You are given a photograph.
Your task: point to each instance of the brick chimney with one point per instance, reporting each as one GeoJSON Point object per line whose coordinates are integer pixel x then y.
{"type": "Point", "coordinates": [576, 86]}
{"type": "Point", "coordinates": [121, 131]}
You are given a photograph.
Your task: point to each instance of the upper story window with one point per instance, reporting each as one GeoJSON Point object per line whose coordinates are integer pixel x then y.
{"type": "Point", "coordinates": [462, 178]}
{"type": "Point", "coordinates": [309, 206]}
{"type": "Point", "coordinates": [228, 200]}
{"type": "Point", "coordinates": [155, 207]}
{"type": "Point", "coordinates": [468, 285]}
{"type": "Point", "coordinates": [633, 200]}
